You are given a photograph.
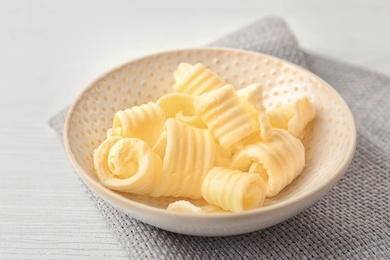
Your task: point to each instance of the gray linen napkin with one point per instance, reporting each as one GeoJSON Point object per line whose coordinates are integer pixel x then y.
{"type": "Point", "coordinates": [351, 221]}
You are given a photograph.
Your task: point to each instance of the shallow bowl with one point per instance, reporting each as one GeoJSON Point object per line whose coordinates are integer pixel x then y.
{"type": "Point", "coordinates": [329, 140]}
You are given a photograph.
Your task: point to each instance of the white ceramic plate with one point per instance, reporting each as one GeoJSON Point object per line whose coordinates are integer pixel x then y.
{"type": "Point", "coordinates": [329, 140]}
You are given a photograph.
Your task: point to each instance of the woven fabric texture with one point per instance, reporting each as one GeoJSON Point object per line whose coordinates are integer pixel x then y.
{"type": "Point", "coordinates": [350, 222]}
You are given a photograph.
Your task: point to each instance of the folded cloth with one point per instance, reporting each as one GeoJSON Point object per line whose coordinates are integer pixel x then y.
{"type": "Point", "coordinates": [351, 221]}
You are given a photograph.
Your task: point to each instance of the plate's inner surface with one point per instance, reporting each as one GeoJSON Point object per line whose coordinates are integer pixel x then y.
{"type": "Point", "coordinates": [327, 139]}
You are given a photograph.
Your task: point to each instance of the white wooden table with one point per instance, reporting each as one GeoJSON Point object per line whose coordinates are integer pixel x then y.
{"type": "Point", "coordinates": [50, 50]}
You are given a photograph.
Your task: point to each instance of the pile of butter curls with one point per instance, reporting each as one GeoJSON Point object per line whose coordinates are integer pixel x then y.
{"type": "Point", "coordinates": [205, 141]}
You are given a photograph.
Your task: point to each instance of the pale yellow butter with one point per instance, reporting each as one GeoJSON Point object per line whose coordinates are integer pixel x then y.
{"type": "Point", "coordinates": [233, 190]}
{"type": "Point", "coordinates": [188, 156]}
{"type": "Point", "coordinates": [293, 116]}
{"type": "Point", "coordinates": [205, 141]}
{"type": "Point", "coordinates": [181, 107]}
{"type": "Point", "coordinates": [144, 122]}
{"type": "Point", "coordinates": [226, 116]}
{"type": "Point", "coordinates": [252, 96]}
{"type": "Point", "coordinates": [186, 206]}
{"type": "Point", "coordinates": [279, 160]}
{"type": "Point", "coordinates": [127, 164]}
{"type": "Point", "coordinates": [196, 80]}
{"type": "Point", "coordinates": [182, 69]}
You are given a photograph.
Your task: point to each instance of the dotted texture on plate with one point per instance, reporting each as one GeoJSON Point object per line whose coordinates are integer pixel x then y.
{"type": "Point", "coordinates": [326, 139]}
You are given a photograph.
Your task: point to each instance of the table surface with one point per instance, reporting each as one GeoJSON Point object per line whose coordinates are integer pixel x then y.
{"type": "Point", "coordinates": [50, 50]}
